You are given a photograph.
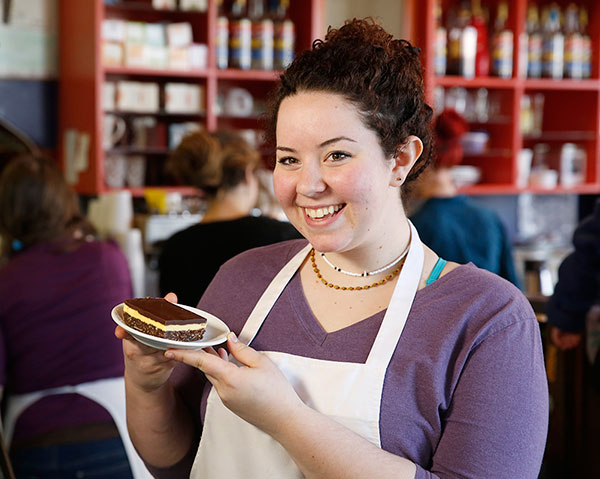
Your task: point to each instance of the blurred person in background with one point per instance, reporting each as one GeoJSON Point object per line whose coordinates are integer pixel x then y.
{"type": "Point", "coordinates": [576, 295]}
{"type": "Point", "coordinates": [452, 225]}
{"type": "Point", "coordinates": [224, 166]}
{"type": "Point", "coordinates": [60, 367]}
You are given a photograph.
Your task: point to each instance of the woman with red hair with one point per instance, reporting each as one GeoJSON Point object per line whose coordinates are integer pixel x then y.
{"type": "Point", "coordinates": [454, 226]}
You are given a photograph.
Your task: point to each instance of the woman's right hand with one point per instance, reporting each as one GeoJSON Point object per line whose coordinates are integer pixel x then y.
{"type": "Point", "coordinates": [145, 368]}
{"type": "Point", "coordinates": [564, 340]}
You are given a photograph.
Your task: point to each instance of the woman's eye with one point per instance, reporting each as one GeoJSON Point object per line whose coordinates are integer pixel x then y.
{"type": "Point", "coordinates": [338, 155]}
{"type": "Point", "coordinates": [287, 160]}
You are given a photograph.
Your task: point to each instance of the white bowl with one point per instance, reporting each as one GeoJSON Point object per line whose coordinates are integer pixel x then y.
{"type": "Point", "coordinates": [465, 175]}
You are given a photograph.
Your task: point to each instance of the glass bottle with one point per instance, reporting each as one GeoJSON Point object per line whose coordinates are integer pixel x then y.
{"type": "Point", "coordinates": [285, 34]}
{"type": "Point", "coordinates": [262, 36]}
{"type": "Point", "coordinates": [455, 23]}
{"type": "Point", "coordinates": [502, 44]}
{"type": "Point", "coordinates": [586, 44]}
{"type": "Point", "coordinates": [440, 42]}
{"type": "Point", "coordinates": [535, 43]}
{"type": "Point", "coordinates": [553, 44]}
{"type": "Point", "coordinates": [573, 44]}
{"type": "Point", "coordinates": [240, 36]}
{"type": "Point", "coordinates": [222, 40]}
{"type": "Point", "coordinates": [482, 53]}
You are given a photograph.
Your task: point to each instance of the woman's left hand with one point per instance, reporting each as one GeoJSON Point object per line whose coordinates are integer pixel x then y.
{"type": "Point", "coordinates": [257, 391]}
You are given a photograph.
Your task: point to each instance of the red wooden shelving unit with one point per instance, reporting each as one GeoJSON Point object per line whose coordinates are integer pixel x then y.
{"type": "Point", "coordinates": [571, 111]}
{"type": "Point", "coordinates": [82, 74]}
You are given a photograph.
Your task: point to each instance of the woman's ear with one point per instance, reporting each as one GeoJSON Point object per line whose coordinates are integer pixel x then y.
{"type": "Point", "coordinates": [405, 158]}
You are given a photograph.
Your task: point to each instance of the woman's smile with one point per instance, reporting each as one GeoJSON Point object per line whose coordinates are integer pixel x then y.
{"type": "Point", "coordinates": [324, 212]}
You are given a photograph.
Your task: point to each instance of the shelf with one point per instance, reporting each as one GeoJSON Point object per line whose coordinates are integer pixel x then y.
{"type": "Point", "coordinates": [565, 84]}
{"type": "Point", "coordinates": [81, 72]}
{"type": "Point", "coordinates": [571, 136]}
{"type": "Point", "coordinates": [157, 114]}
{"type": "Point", "coordinates": [259, 75]}
{"type": "Point", "coordinates": [490, 153]}
{"type": "Point", "coordinates": [130, 151]}
{"type": "Point", "coordinates": [156, 72]}
{"type": "Point", "coordinates": [477, 82]}
{"type": "Point", "coordinates": [137, 192]}
{"type": "Point", "coordinates": [571, 109]}
{"type": "Point", "coordinates": [489, 189]}
{"type": "Point", "coordinates": [510, 189]}
{"type": "Point", "coordinates": [132, 7]}
{"type": "Point", "coordinates": [510, 83]}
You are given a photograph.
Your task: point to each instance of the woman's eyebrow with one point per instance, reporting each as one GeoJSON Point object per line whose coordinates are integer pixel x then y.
{"type": "Point", "coordinates": [337, 138]}
{"type": "Point", "coordinates": [321, 145]}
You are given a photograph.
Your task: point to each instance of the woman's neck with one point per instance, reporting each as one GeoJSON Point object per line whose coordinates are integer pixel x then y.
{"type": "Point", "coordinates": [370, 257]}
{"type": "Point", "coordinates": [227, 206]}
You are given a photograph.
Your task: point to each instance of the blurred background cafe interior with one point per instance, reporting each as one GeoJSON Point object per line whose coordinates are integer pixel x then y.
{"type": "Point", "coordinates": [108, 88]}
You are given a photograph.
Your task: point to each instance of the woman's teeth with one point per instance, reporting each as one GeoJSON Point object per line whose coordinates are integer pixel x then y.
{"type": "Point", "coordinates": [322, 212]}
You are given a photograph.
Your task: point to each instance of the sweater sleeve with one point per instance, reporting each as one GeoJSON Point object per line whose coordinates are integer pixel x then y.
{"type": "Point", "coordinates": [578, 281]}
{"type": "Point", "coordinates": [497, 423]}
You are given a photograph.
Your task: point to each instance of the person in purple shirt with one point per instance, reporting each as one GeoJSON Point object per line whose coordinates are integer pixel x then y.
{"type": "Point", "coordinates": [355, 352]}
{"type": "Point", "coordinates": [57, 287]}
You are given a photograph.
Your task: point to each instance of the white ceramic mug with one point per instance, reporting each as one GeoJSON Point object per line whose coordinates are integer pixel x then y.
{"type": "Point", "coordinates": [114, 129]}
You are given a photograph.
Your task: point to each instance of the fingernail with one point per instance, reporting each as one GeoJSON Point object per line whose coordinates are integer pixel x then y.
{"type": "Point", "coordinates": [233, 337]}
{"type": "Point", "coordinates": [169, 355]}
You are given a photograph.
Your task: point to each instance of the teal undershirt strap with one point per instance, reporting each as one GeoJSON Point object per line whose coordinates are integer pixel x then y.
{"type": "Point", "coordinates": [437, 269]}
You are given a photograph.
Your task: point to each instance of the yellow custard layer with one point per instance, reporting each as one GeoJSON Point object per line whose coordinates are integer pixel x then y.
{"type": "Point", "coordinates": [175, 327]}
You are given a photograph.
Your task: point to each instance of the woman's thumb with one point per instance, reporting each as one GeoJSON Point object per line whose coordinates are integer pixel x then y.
{"type": "Point", "coordinates": [242, 352]}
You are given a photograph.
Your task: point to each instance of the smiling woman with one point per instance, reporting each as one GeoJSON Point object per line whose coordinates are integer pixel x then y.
{"type": "Point", "coordinates": [360, 352]}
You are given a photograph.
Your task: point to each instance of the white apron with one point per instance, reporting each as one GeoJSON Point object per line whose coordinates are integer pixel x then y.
{"type": "Point", "coordinates": [109, 393]}
{"type": "Point", "coordinates": [349, 393]}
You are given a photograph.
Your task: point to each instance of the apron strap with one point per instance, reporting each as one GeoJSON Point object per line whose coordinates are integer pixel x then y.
{"type": "Point", "coordinates": [268, 298]}
{"type": "Point", "coordinates": [399, 308]}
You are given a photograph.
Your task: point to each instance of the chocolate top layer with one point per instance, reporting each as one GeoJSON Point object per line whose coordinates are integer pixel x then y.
{"type": "Point", "coordinates": [163, 311]}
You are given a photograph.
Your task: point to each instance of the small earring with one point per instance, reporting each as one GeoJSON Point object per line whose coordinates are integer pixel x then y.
{"type": "Point", "coordinates": [399, 178]}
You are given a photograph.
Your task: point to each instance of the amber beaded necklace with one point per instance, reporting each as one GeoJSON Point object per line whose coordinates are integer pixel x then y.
{"type": "Point", "coordinates": [353, 288]}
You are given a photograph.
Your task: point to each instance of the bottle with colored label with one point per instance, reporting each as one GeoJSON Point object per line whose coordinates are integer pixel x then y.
{"type": "Point", "coordinates": [553, 44]}
{"type": "Point", "coordinates": [586, 44]}
{"type": "Point", "coordinates": [573, 44]}
{"type": "Point", "coordinates": [240, 37]}
{"type": "Point", "coordinates": [285, 34]}
{"type": "Point", "coordinates": [222, 37]}
{"type": "Point", "coordinates": [535, 43]}
{"type": "Point", "coordinates": [502, 44]}
{"type": "Point", "coordinates": [262, 36]}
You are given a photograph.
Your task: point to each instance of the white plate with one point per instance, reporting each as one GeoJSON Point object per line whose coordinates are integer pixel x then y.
{"type": "Point", "coordinates": [216, 331]}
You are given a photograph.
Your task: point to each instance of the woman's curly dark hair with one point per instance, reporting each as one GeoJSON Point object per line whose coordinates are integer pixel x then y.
{"type": "Point", "coordinates": [380, 75]}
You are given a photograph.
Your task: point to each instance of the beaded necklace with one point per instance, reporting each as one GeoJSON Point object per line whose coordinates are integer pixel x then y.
{"type": "Point", "coordinates": [353, 288]}
{"type": "Point", "coordinates": [368, 273]}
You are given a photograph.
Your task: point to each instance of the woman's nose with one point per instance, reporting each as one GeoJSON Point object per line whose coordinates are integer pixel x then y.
{"type": "Point", "coordinates": [311, 181]}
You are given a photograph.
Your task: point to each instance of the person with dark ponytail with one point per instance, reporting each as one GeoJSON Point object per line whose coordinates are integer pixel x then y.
{"type": "Point", "coordinates": [453, 225]}
{"type": "Point", "coordinates": [356, 352]}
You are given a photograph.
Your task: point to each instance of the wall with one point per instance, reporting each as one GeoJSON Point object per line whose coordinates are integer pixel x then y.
{"type": "Point", "coordinates": [387, 12]}
{"type": "Point", "coordinates": [28, 68]}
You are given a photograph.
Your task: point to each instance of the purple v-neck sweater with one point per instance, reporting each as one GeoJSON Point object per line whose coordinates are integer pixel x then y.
{"type": "Point", "coordinates": [465, 394]}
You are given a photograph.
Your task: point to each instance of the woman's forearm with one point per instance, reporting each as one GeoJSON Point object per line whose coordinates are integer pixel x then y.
{"type": "Point", "coordinates": [324, 449]}
{"type": "Point", "coordinates": [160, 426]}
